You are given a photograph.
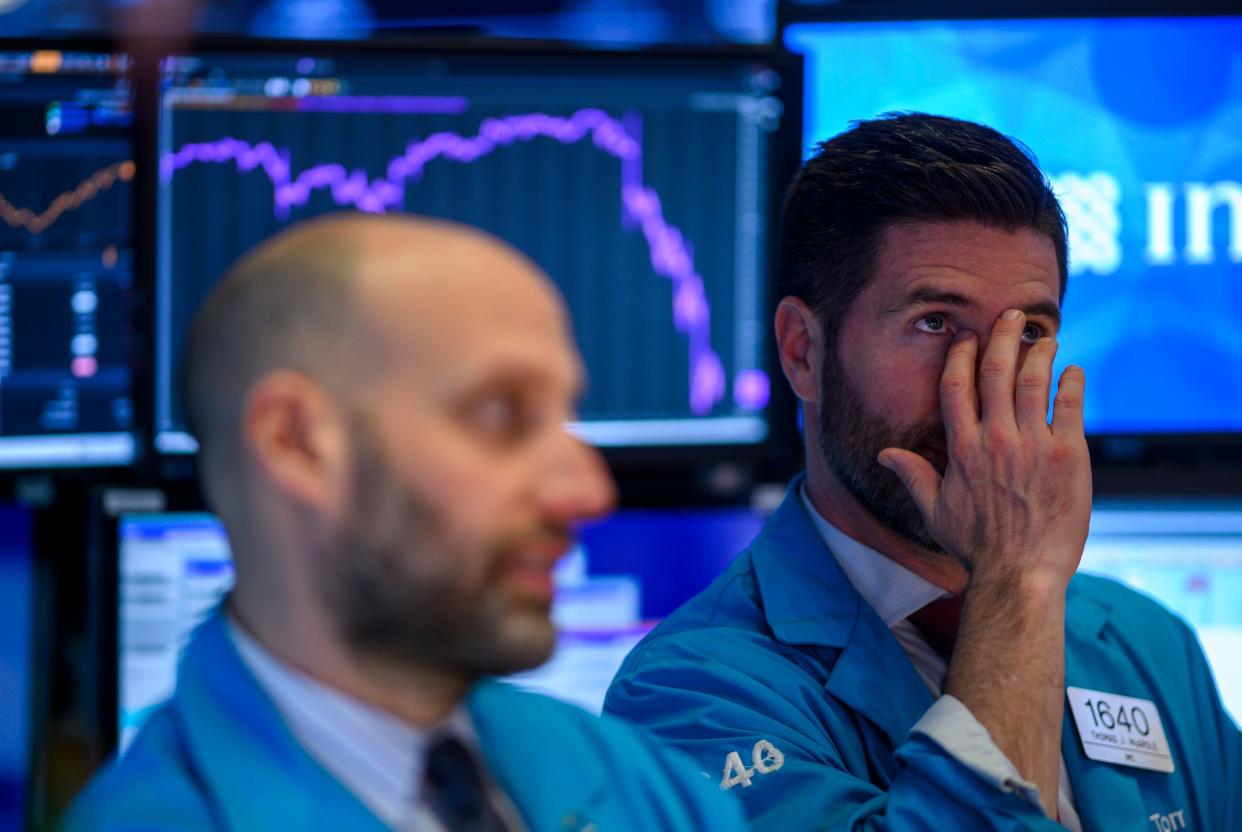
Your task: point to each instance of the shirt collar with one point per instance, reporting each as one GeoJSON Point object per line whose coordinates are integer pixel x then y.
{"type": "Point", "coordinates": [377, 756]}
{"type": "Point", "coordinates": [893, 591]}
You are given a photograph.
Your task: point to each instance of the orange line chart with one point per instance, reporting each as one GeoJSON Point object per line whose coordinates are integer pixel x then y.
{"type": "Point", "coordinates": [86, 190]}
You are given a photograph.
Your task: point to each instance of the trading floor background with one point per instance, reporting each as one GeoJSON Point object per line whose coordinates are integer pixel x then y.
{"type": "Point", "coordinates": [637, 151]}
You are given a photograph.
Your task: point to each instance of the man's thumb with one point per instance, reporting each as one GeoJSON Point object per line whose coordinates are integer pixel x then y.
{"type": "Point", "coordinates": [916, 474]}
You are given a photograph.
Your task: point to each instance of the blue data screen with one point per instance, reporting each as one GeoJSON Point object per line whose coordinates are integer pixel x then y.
{"type": "Point", "coordinates": [1138, 124]}
{"type": "Point", "coordinates": [67, 169]}
{"type": "Point", "coordinates": [642, 189]}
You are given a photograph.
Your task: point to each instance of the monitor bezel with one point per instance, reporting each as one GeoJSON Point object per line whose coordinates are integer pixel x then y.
{"type": "Point", "coordinates": [109, 506]}
{"type": "Point", "coordinates": [890, 11]}
{"type": "Point", "coordinates": [139, 432]}
{"type": "Point", "coordinates": [779, 453]}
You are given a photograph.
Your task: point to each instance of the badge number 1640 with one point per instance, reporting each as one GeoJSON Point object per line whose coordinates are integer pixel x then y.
{"type": "Point", "coordinates": [1120, 729]}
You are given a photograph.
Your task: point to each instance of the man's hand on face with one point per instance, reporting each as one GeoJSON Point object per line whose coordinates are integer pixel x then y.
{"type": "Point", "coordinates": [1014, 502]}
{"type": "Point", "coordinates": [1013, 506]}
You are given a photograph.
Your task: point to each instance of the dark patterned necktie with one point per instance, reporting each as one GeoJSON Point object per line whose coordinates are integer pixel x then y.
{"type": "Point", "coordinates": [455, 790]}
{"type": "Point", "coordinates": [938, 623]}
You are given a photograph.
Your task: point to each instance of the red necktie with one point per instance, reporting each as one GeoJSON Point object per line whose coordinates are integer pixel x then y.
{"type": "Point", "coordinates": [938, 623]}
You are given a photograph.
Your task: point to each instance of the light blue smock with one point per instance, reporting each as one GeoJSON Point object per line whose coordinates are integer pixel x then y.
{"type": "Point", "coordinates": [781, 648]}
{"type": "Point", "coordinates": [218, 756]}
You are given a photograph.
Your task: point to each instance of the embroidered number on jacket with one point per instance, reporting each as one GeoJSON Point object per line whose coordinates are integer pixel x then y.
{"type": "Point", "coordinates": [765, 758]}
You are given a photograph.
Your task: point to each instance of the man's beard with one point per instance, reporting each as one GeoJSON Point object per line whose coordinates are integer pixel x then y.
{"type": "Point", "coordinates": [400, 590]}
{"type": "Point", "coordinates": [851, 438]}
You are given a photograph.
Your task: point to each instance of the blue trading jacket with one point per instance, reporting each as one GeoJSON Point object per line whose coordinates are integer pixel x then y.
{"type": "Point", "coordinates": [218, 756]}
{"type": "Point", "coordinates": [784, 685]}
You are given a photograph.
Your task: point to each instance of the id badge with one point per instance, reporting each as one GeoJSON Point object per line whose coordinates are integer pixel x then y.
{"type": "Point", "coordinates": [1120, 729]}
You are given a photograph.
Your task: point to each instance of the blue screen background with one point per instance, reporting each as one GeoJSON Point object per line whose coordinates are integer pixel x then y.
{"type": "Point", "coordinates": [1123, 114]}
{"type": "Point", "coordinates": [16, 662]}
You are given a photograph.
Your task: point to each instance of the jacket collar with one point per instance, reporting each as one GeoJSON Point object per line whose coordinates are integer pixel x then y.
{"type": "Point", "coordinates": [809, 600]}
{"type": "Point", "coordinates": [255, 772]}
{"type": "Point", "coordinates": [534, 761]}
{"type": "Point", "coordinates": [258, 776]}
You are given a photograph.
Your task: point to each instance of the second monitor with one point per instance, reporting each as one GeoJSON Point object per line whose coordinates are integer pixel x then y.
{"type": "Point", "coordinates": [643, 184]}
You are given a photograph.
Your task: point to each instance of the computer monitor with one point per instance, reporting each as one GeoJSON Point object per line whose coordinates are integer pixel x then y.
{"type": "Point", "coordinates": [17, 663]}
{"type": "Point", "coordinates": [646, 185]}
{"type": "Point", "coordinates": [624, 574]}
{"type": "Point", "coordinates": [636, 567]}
{"type": "Point", "coordinates": [1138, 123]}
{"type": "Point", "coordinates": [1187, 555]}
{"type": "Point", "coordinates": [173, 568]}
{"type": "Point", "coordinates": [67, 172]}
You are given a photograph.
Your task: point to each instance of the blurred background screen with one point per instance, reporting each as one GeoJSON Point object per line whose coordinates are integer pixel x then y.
{"type": "Point", "coordinates": [636, 567]}
{"type": "Point", "coordinates": [643, 187]}
{"type": "Point", "coordinates": [17, 663]}
{"type": "Point", "coordinates": [1187, 555]}
{"type": "Point", "coordinates": [624, 574]}
{"type": "Point", "coordinates": [66, 259]}
{"type": "Point", "coordinates": [1138, 123]}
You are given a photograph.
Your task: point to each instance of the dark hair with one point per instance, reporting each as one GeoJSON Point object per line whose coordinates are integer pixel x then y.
{"type": "Point", "coordinates": [902, 167]}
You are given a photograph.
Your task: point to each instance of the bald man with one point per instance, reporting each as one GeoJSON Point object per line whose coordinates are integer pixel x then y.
{"type": "Point", "coordinates": [380, 404]}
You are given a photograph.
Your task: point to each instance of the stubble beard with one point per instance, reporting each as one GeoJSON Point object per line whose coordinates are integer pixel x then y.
{"type": "Point", "coordinates": [851, 437]}
{"type": "Point", "coordinates": [400, 592]}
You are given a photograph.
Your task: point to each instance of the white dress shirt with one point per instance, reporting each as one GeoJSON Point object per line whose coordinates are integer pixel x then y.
{"type": "Point", "coordinates": [895, 592]}
{"type": "Point", "coordinates": [381, 759]}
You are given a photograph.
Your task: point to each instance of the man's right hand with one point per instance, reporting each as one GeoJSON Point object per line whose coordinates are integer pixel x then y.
{"type": "Point", "coordinates": [1014, 507]}
{"type": "Point", "coordinates": [1015, 499]}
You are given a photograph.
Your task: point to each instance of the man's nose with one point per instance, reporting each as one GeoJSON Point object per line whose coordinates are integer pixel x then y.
{"type": "Point", "coordinates": [581, 487]}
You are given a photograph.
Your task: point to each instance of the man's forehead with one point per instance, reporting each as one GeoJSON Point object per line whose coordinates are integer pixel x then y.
{"type": "Point", "coordinates": [457, 326]}
{"type": "Point", "coordinates": [975, 263]}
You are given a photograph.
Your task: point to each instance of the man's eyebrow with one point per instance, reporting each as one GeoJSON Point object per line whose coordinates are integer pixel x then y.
{"type": "Point", "coordinates": [928, 294]}
{"type": "Point", "coordinates": [1045, 309]}
{"type": "Point", "coordinates": [518, 373]}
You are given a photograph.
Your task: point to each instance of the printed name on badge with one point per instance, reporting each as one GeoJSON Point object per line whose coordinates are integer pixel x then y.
{"type": "Point", "coordinates": [1120, 729]}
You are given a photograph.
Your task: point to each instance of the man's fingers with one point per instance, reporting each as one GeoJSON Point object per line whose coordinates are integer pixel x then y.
{"type": "Point", "coordinates": [1032, 387]}
{"type": "Point", "coordinates": [998, 367]}
{"type": "Point", "coordinates": [1067, 406]}
{"type": "Point", "coordinates": [916, 474]}
{"type": "Point", "coordinates": [958, 399]}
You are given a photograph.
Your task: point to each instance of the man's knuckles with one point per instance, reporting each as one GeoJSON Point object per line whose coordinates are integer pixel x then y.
{"type": "Point", "coordinates": [995, 368]}
{"type": "Point", "coordinates": [1069, 400]}
{"type": "Point", "coordinates": [953, 384]}
{"type": "Point", "coordinates": [1032, 381]}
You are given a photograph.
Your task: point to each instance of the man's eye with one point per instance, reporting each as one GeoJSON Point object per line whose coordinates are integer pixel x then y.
{"type": "Point", "coordinates": [499, 417]}
{"type": "Point", "coordinates": [933, 323]}
{"type": "Point", "coordinates": [1032, 333]}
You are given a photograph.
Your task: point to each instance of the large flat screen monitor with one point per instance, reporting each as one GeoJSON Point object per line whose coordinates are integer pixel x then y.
{"type": "Point", "coordinates": [66, 258]}
{"type": "Point", "coordinates": [644, 184]}
{"type": "Point", "coordinates": [1138, 123]}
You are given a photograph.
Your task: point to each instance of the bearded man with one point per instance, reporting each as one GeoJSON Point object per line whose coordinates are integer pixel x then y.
{"type": "Point", "coordinates": [381, 407]}
{"type": "Point", "coordinates": [897, 647]}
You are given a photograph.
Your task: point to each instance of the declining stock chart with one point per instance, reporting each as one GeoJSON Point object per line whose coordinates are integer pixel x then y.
{"type": "Point", "coordinates": [643, 194]}
{"type": "Point", "coordinates": [66, 173]}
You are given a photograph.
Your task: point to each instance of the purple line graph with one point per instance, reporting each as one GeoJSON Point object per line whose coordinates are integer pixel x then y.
{"type": "Point", "coordinates": [670, 253]}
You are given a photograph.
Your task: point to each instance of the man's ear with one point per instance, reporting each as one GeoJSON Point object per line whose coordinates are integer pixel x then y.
{"type": "Point", "coordinates": [800, 343]}
{"type": "Point", "coordinates": [297, 437]}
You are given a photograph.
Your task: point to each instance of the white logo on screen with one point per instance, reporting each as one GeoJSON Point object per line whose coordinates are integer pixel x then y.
{"type": "Point", "coordinates": [1181, 221]}
{"type": "Point", "coordinates": [1091, 202]}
